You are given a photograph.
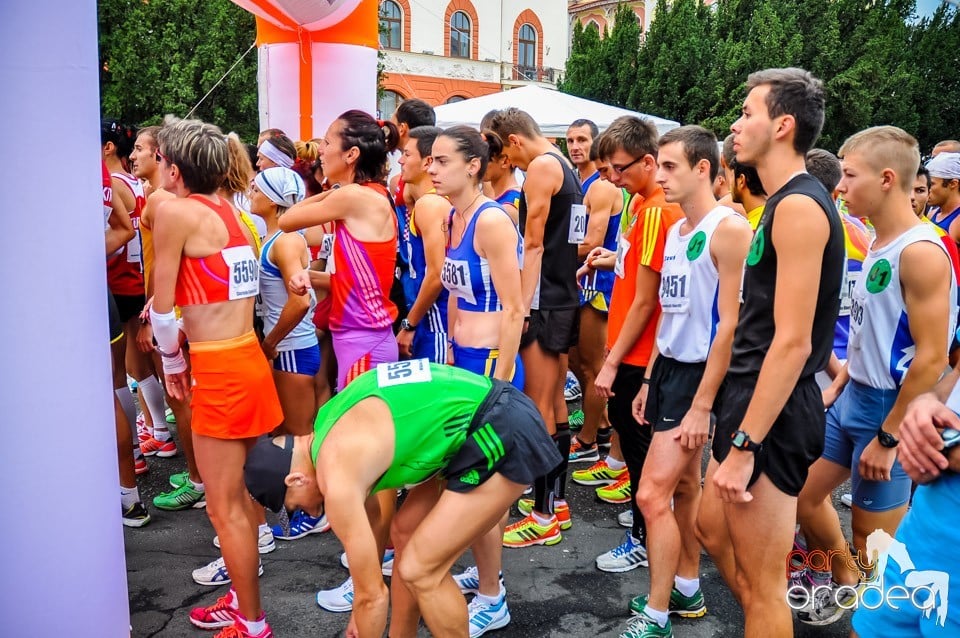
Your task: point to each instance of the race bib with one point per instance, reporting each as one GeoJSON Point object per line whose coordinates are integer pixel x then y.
{"type": "Point", "coordinates": [623, 247]}
{"type": "Point", "coordinates": [244, 271]}
{"type": "Point", "coordinates": [455, 277]}
{"type": "Point", "coordinates": [850, 280]}
{"type": "Point", "coordinates": [675, 287]}
{"type": "Point", "coordinates": [134, 248]}
{"type": "Point", "coordinates": [857, 302]}
{"type": "Point", "coordinates": [326, 247]}
{"type": "Point", "coordinates": [401, 372]}
{"type": "Point", "coordinates": [578, 224]}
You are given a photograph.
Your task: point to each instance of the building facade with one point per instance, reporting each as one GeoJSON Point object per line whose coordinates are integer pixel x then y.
{"type": "Point", "coordinates": [444, 51]}
{"type": "Point", "coordinates": [602, 12]}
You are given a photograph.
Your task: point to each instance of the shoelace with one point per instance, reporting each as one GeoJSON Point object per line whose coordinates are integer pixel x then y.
{"type": "Point", "coordinates": [637, 626]}
{"type": "Point", "coordinates": [623, 548]}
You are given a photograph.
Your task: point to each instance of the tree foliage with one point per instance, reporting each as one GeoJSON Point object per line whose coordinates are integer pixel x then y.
{"type": "Point", "coordinates": [162, 56]}
{"type": "Point", "coordinates": [878, 62]}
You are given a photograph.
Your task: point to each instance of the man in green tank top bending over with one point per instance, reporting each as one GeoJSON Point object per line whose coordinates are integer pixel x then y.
{"type": "Point", "coordinates": [465, 446]}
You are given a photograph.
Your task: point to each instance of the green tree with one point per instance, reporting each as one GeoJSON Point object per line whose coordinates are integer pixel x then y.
{"type": "Point", "coordinates": [586, 72]}
{"type": "Point", "coordinates": [620, 50]}
{"type": "Point", "coordinates": [933, 62]}
{"type": "Point", "coordinates": [675, 62]}
{"type": "Point", "coordinates": [162, 56]}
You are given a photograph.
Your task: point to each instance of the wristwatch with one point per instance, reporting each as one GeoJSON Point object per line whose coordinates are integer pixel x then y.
{"type": "Point", "coordinates": [407, 326]}
{"type": "Point", "coordinates": [951, 439]}
{"type": "Point", "coordinates": [886, 439]}
{"type": "Point", "coordinates": [741, 441]}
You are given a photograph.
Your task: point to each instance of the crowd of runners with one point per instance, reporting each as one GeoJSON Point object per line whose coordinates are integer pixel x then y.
{"type": "Point", "coordinates": [389, 356]}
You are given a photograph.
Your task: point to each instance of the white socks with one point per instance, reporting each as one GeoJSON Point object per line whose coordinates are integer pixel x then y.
{"type": "Point", "coordinates": [615, 464]}
{"type": "Point", "coordinates": [686, 586]}
{"type": "Point", "coordinates": [129, 496]}
{"type": "Point", "coordinates": [151, 397]}
{"type": "Point", "coordinates": [492, 600]}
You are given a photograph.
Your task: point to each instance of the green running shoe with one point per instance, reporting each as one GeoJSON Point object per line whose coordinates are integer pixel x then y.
{"type": "Point", "coordinates": [576, 420]}
{"type": "Point", "coordinates": [169, 416]}
{"type": "Point", "coordinates": [181, 498]}
{"type": "Point", "coordinates": [643, 626]}
{"type": "Point", "coordinates": [680, 605]}
{"type": "Point", "coordinates": [179, 479]}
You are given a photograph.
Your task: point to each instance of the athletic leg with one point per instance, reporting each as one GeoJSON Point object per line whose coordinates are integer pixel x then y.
{"type": "Point", "coordinates": [713, 533]}
{"type": "Point", "coordinates": [593, 337]}
{"type": "Point", "coordinates": [819, 521]}
{"type": "Point", "coordinates": [454, 522]}
{"type": "Point", "coordinates": [296, 392]}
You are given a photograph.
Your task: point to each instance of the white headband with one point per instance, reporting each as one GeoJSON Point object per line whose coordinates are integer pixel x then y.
{"type": "Point", "coordinates": [275, 155]}
{"type": "Point", "coordinates": [281, 185]}
{"type": "Point", "coordinates": [945, 166]}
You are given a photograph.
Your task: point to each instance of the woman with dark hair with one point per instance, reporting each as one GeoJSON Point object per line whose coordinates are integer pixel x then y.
{"type": "Point", "coordinates": [354, 159]}
{"type": "Point", "coordinates": [276, 150]}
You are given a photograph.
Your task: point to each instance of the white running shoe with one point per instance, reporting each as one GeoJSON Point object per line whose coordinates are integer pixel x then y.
{"type": "Point", "coordinates": [215, 574]}
{"type": "Point", "coordinates": [484, 617]}
{"type": "Point", "coordinates": [625, 519]}
{"type": "Point", "coordinates": [386, 567]}
{"type": "Point", "coordinates": [628, 555]}
{"type": "Point", "coordinates": [338, 599]}
{"type": "Point", "coordinates": [265, 542]}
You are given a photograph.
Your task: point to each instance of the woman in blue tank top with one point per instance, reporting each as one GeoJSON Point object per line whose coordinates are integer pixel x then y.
{"type": "Point", "coordinates": [485, 316]}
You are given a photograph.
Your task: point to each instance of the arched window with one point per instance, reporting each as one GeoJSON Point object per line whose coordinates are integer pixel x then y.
{"type": "Point", "coordinates": [527, 52]}
{"type": "Point", "coordinates": [391, 25]}
{"type": "Point", "coordinates": [453, 99]}
{"type": "Point", "coordinates": [460, 35]}
{"type": "Point", "coordinates": [388, 102]}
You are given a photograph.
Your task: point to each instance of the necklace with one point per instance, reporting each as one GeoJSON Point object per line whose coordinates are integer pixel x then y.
{"type": "Point", "coordinates": [462, 215]}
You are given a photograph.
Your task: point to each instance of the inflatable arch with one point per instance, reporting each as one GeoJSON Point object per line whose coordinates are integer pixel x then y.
{"type": "Point", "coordinates": [316, 59]}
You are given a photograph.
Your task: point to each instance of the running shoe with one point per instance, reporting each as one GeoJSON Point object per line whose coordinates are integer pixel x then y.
{"type": "Point", "coordinates": [163, 449]}
{"type": "Point", "coordinates": [136, 515]}
{"type": "Point", "coordinates": [143, 432]}
{"type": "Point", "coordinates": [828, 604]}
{"type": "Point", "coordinates": [560, 508]}
{"type": "Point", "coordinates": [265, 542]}
{"type": "Point", "coordinates": [469, 580]}
{"type": "Point", "coordinates": [643, 626]}
{"type": "Point", "coordinates": [179, 479]}
{"type": "Point", "coordinates": [170, 416]}
{"type": "Point", "coordinates": [802, 585]}
{"type": "Point", "coordinates": [140, 466]}
{"type": "Point", "coordinates": [625, 519]}
{"type": "Point", "coordinates": [571, 389]}
{"type": "Point", "coordinates": [603, 438]}
{"type": "Point", "coordinates": [222, 613]}
{"type": "Point", "coordinates": [582, 453]}
{"type": "Point", "coordinates": [338, 599]}
{"type": "Point", "coordinates": [618, 493]}
{"type": "Point", "coordinates": [626, 556]}
{"type": "Point", "coordinates": [680, 605]}
{"type": "Point", "coordinates": [386, 567]}
{"type": "Point", "coordinates": [527, 532]}
{"type": "Point", "coordinates": [847, 499]}
{"type": "Point", "coordinates": [181, 498]}
{"type": "Point", "coordinates": [575, 419]}
{"type": "Point", "coordinates": [486, 617]}
{"type": "Point", "coordinates": [301, 525]}
{"type": "Point", "coordinates": [237, 630]}
{"type": "Point", "coordinates": [214, 574]}
{"type": "Point", "coordinates": [598, 474]}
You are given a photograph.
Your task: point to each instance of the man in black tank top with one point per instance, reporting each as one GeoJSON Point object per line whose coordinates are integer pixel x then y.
{"type": "Point", "coordinates": [770, 417]}
{"type": "Point", "coordinates": [551, 212]}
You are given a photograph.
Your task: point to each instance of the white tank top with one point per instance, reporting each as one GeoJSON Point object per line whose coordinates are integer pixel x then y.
{"type": "Point", "coordinates": [689, 284]}
{"type": "Point", "coordinates": [881, 348]}
{"type": "Point", "coordinates": [273, 296]}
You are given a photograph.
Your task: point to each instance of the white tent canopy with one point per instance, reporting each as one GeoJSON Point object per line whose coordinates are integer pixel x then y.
{"type": "Point", "coordinates": [552, 110]}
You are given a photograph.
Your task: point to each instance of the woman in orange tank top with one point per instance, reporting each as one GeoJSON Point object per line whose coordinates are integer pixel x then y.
{"type": "Point", "coordinates": [205, 260]}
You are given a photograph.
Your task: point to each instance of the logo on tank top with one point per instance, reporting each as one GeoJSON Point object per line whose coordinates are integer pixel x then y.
{"type": "Point", "coordinates": [756, 248]}
{"type": "Point", "coordinates": [696, 245]}
{"type": "Point", "coordinates": [879, 277]}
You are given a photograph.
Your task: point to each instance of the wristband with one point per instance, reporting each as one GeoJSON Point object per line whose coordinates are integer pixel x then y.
{"type": "Point", "coordinates": [173, 363]}
{"type": "Point", "coordinates": [645, 382]}
{"type": "Point", "coordinates": [166, 330]}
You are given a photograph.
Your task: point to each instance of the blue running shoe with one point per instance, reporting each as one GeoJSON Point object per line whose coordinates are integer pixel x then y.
{"type": "Point", "coordinates": [301, 524]}
{"type": "Point", "coordinates": [571, 389]}
{"type": "Point", "coordinates": [485, 617]}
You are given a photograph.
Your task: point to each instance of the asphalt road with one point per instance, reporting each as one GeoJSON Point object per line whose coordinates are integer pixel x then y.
{"type": "Point", "coordinates": [552, 591]}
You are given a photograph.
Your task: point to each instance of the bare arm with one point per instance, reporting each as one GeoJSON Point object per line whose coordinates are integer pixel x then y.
{"type": "Point", "coordinates": [497, 239]}
{"type": "Point", "coordinates": [603, 199]}
{"type": "Point", "coordinates": [121, 227]}
{"type": "Point", "coordinates": [544, 179]}
{"type": "Point", "coordinates": [319, 209]}
{"type": "Point", "coordinates": [431, 216]}
{"type": "Point", "coordinates": [288, 252]}
{"type": "Point", "coordinates": [172, 225]}
{"type": "Point", "coordinates": [728, 247]}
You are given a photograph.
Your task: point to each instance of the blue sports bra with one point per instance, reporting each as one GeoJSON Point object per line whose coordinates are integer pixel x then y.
{"type": "Point", "coordinates": [467, 275]}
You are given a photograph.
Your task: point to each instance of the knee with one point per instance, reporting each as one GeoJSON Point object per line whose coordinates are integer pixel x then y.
{"type": "Point", "coordinates": [652, 500]}
{"type": "Point", "coordinates": [704, 528]}
{"type": "Point", "coordinates": [417, 576]}
{"type": "Point", "coordinates": [808, 507]}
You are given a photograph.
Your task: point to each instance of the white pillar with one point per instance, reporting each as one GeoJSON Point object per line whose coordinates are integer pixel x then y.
{"type": "Point", "coordinates": [63, 567]}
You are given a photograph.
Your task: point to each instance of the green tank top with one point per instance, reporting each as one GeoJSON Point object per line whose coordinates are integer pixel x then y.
{"type": "Point", "coordinates": [432, 407]}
